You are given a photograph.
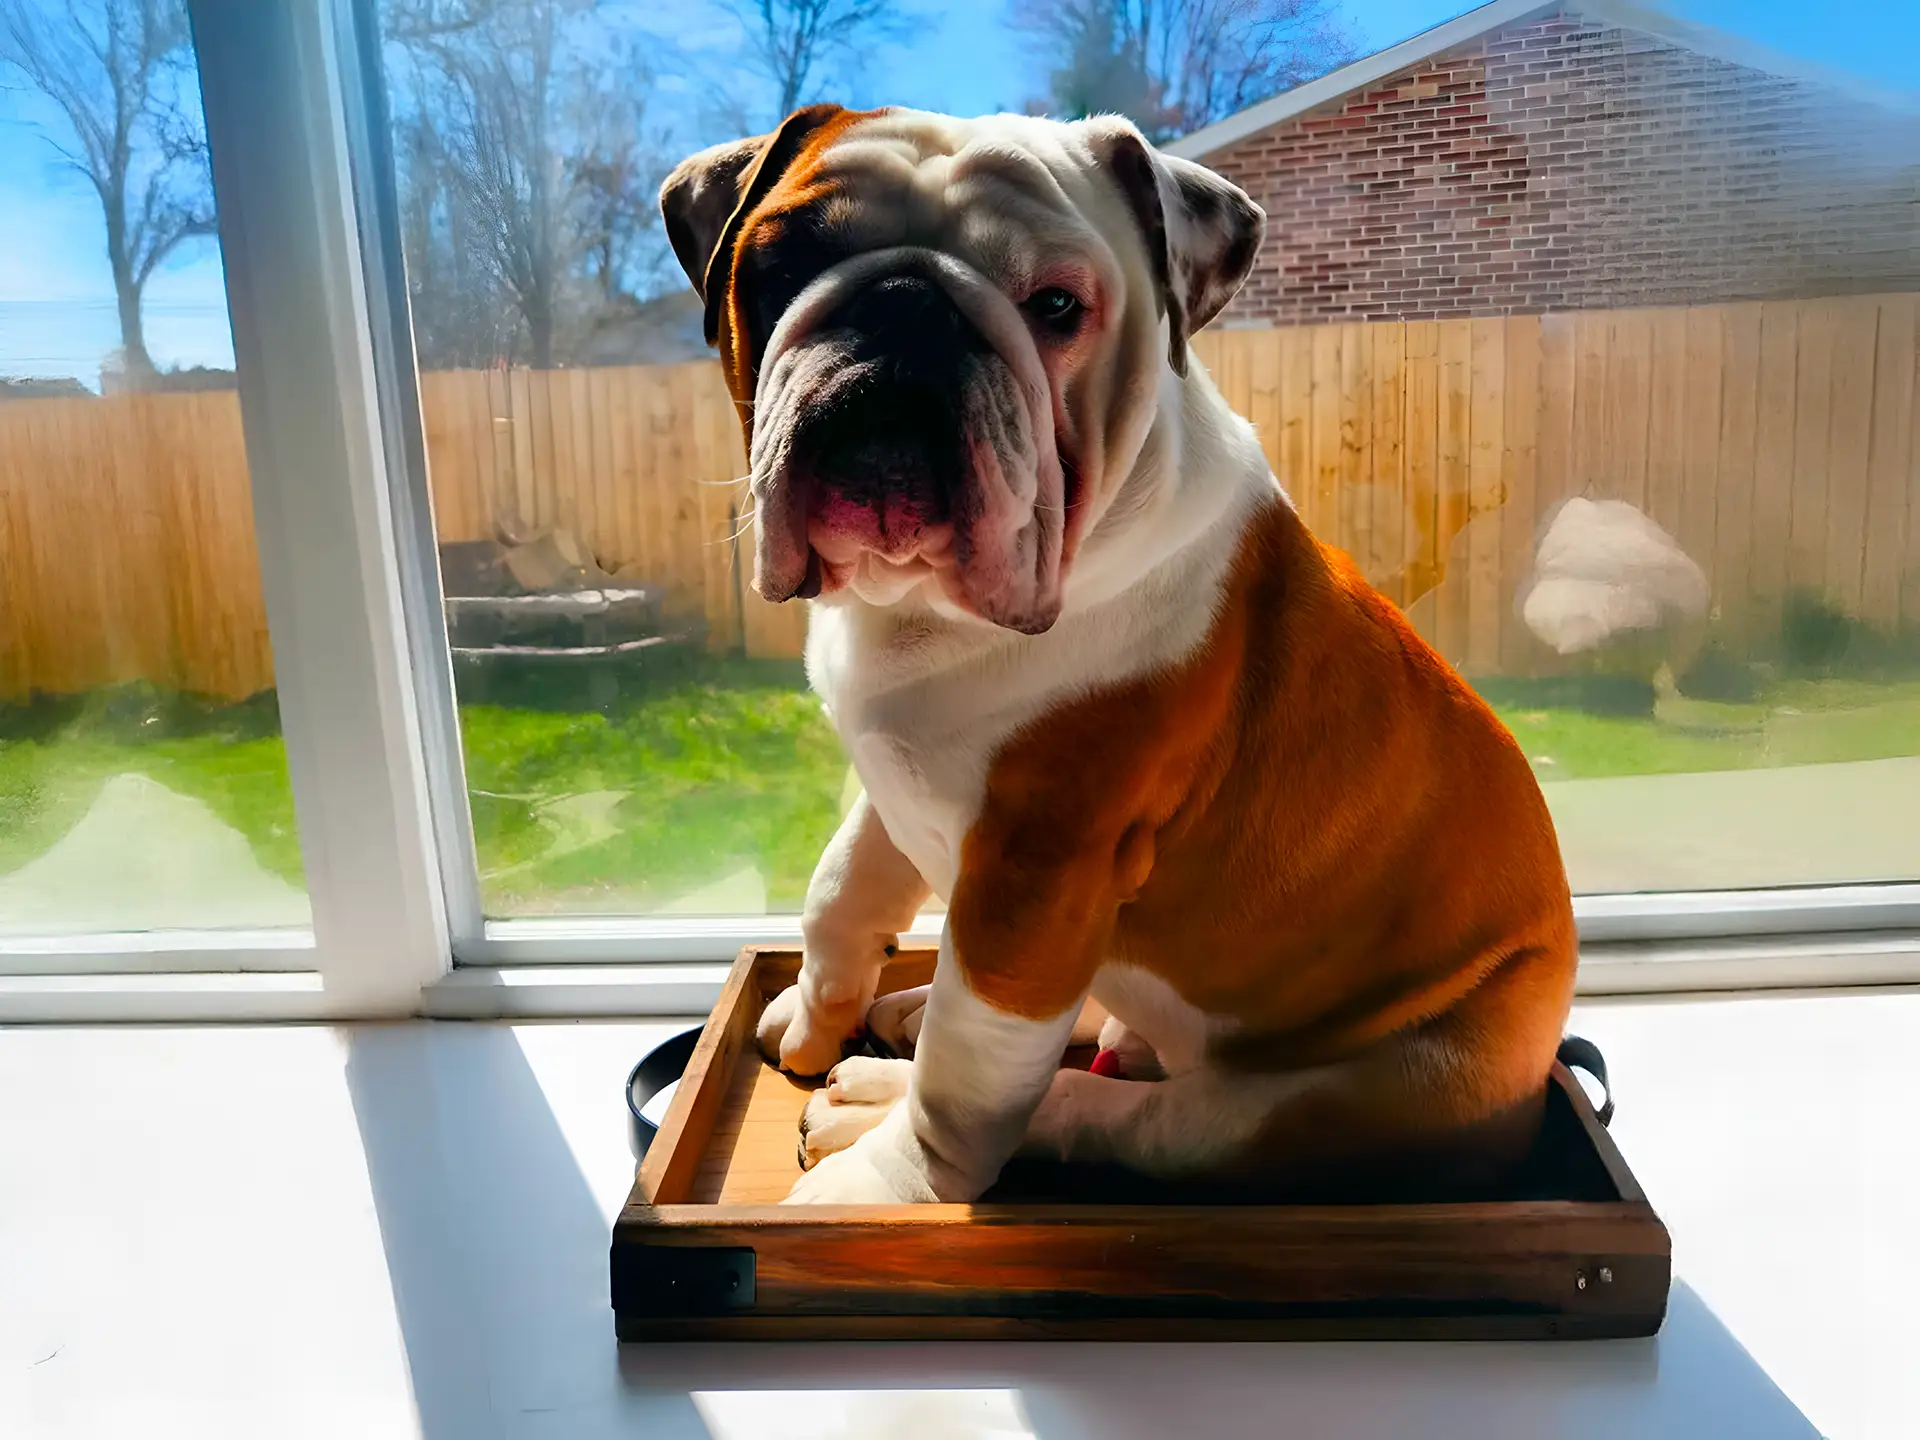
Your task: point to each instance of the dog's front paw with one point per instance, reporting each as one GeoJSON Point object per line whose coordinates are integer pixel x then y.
{"type": "Point", "coordinates": [882, 1167]}
{"type": "Point", "coordinates": [859, 1093]}
{"type": "Point", "coordinates": [853, 1178]}
{"type": "Point", "coordinates": [799, 1038]}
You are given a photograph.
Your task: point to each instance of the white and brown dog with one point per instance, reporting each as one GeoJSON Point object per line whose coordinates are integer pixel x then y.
{"type": "Point", "coordinates": [1169, 760]}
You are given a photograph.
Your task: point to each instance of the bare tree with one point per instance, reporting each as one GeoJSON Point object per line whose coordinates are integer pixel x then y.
{"type": "Point", "coordinates": [510, 176]}
{"type": "Point", "coordinates": [617, 176]}
{"type": "Point", "coordinates": [795, 43]}
{"type": "Point", "coordinates": [528, 178]}
{"type": "Point", "coordinates": [121, 72]}
{"type": "Point", "coordinates": [1172, 66]}
{"type": "Point", "coordinates": [461, 317]}
{"type": "Point", "coordinates": [416, 22]}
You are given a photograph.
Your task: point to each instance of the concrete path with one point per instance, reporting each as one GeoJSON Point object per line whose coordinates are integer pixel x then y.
{"type": "Point", "coordinates": [1741, 829]}
{"type": "Point", "coordinates": [146, 858]}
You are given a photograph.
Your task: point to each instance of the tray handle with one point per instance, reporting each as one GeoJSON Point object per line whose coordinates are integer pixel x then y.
{"type": "Point", "coordinates": [1578, 1053]}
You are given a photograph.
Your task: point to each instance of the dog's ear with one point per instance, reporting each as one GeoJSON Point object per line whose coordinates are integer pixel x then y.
{"type": "Point", "coordinates": [708, 197]}
{"type": "Point", "coordinates": [1202, 232]}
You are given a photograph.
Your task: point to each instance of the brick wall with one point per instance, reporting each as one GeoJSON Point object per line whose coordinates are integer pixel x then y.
{"type": "Point", "coordinates": [1562, 163]}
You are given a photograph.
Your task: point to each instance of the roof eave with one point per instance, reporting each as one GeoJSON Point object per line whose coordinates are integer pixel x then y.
{"type": "Point", "coordinates": [1626, 14]}
{"type": "Point", "coordinates": [1334, 84]}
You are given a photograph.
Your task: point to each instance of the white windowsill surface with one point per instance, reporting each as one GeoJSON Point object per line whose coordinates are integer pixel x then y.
{"type": "Point", "coordinates": [400, 1230]}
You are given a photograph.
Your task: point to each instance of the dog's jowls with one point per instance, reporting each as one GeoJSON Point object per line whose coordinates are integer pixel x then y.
{"type": "Point", "coordinates": [1177, 771]}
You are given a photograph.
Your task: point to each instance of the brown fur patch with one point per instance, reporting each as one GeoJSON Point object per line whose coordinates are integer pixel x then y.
{"type": "Point", "coordinates": [1341, 842]}
{"type": "Point", "coordinates": [786, 198]}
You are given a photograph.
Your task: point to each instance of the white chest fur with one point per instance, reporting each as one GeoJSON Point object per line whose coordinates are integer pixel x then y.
{"type": "Point", "coordinates": [923, 702]}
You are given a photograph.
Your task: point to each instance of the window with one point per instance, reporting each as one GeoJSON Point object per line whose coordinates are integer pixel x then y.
{"type": "Point", "coordinates": [1593, 343]}
{"type": "Point", "coordinates": [143, 780]}
{"type": "Point", "coordinates": [1627, 432]}
{"type": "Point", "coordinates": [637, 732]}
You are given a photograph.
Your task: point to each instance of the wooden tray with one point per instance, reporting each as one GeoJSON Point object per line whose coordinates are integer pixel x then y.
{"type": "Point", "coordinates": [704, 1251]}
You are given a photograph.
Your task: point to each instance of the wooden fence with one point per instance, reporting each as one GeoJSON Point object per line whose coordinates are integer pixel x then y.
{"type": "Point", "coordinates": [638, 462]}
{"type": "Point", "coordinates": [127, 548]}
{"type": "Point", "coordinates": [1775, 441]}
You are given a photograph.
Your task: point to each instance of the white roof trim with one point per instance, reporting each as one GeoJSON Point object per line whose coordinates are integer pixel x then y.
{"type": "Point", "coordinates": [1622, 13]}
{"type": "Point", "coordinates": [1376, 66]}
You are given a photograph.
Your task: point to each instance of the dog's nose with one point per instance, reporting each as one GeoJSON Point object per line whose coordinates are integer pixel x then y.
{"type": "Point", "coordinates": [909, 317]}
{"type": "Point", "coordinates": [882, 437]}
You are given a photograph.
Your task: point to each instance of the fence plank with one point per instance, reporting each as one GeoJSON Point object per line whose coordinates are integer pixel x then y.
{"type": "Point", "coordinates": [1263, 387]}
{"type": "Point", "coordinates": [1734, 475]}
{"type": "Point", "coordinates": [1386, 550]}
{"type": "Point", "coordinates": [1856, 338]}
{"type": "Point", "coordinates": [722, 458]}
{"type": "Point", "coordinates": [1520, 428]}
{"type": "Point", "coordinates": [1813, 407]}
{"type": "Point", "coordinates": [605, 526]}
{"type": "Point", "coordinates": [1456, 442]}
{"type": "Point", "coordinates": [1296, 415]}
{"type": "Point", "coordinates": [476, 415]}
{"type": "Point", "coordinates": [1702, 377]}
{"type": "Point", "coordinates": [1422, 569]}
{"type": "Point", "coordinates": [1666, 419]}
{"type": "Point", "coordinates": [1354, 508]}
{"type": "Point", "coordinates": [499, 495]}
{"type": "Point", "coordinates": [1486, 481]}
{"type": "Point", "coordinates": [1629, 396]}
{"type": "Point", "coordinates": [1910, 561]}
{"type": "Point", "coordinates": [1773, 467]}
{"type": "Point", "coordinates": [1322, 512]}
{"type": "Point", "coordinates": [539, 513]}
{"type": "Point", "coordinates": [517, 519]}
{"type": "Point", "coordinates": [679, 487]}
{"type": "Point", "coordinates": [1890, 454]}
{"type": "Point", "coordinates": [15, 603]}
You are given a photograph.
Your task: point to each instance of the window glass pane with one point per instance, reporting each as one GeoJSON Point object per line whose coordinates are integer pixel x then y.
{"type": "Point", "coordinates": [1593, 346]}
{"type": "Point", "coordinates": [143, 783]}
{"type": "Point", "coordinates": [1596, 348]}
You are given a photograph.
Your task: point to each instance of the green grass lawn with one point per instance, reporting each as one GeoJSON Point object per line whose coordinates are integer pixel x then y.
{"type": "Point", "coordinates": [1795, 722]}
{"type": "Point", "coordinates": [731, 767]}
{"type": "Point", "coordinates": [735, 767]}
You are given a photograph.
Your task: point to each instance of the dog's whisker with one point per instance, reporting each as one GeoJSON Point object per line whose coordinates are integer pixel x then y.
{"type": "Point", "coordinates": [746, 524]}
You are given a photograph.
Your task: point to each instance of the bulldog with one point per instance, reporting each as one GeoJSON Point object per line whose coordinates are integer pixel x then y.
{"type": "Point", "coordinates": [1179, 774]}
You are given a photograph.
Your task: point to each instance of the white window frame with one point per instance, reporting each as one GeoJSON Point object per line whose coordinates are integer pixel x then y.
{"type": "Point", "coordinates": [296, 115]}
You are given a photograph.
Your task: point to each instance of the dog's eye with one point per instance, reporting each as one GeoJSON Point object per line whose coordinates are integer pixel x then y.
{"type": "Point", "coordinates": [1059, 310]}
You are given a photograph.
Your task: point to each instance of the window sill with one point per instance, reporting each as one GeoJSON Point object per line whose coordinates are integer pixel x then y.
{"type": "Point", "coordinates": [1800, 962]}
{"type": "Point", "coordinates": [686, 983]}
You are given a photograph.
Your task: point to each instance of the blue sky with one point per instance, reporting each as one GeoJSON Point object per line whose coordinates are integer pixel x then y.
{"type": "Point", "coordinates": [56, 300]}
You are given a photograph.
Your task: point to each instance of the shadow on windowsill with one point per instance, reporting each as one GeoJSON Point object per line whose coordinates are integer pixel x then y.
{"type": "Point", "coordinates": [497, 1251]}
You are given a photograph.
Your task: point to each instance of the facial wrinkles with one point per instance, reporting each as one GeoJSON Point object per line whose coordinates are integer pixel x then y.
{"type": "Point", "coordinates": [1010, 216]}
{"type": "Point", "coordinates": [1017, 522]}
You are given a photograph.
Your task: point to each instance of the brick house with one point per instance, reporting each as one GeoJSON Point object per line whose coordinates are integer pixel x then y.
{"type": "Point", "coordinates": [1532, 157]}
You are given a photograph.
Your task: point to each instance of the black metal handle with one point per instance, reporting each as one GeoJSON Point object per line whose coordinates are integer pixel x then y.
{"type": "Point", "coordinates": [1577, 1053]}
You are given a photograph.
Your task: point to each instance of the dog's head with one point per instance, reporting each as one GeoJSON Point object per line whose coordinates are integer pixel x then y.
{"type": "Point", "coordinates": [946, 338]}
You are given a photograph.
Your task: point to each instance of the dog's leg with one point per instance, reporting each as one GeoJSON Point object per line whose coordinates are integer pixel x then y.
{"type": "Point", "coordinates": [895, 1019]}
{"type": "Point", "coordinates": [864, 892]}
{"type": "Point", "coordinates": [1460, 1096]}
{"type": "Point", "coordinates": [860, 1090]}
{"type": "Point", "coordinates": [1192, 1124]}
{"type": "Point", "coordinates": [976, 1076]}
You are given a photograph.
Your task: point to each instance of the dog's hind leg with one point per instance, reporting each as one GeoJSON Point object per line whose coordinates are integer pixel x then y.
{"type": "Point", "coordinates": [1455, 1100]}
